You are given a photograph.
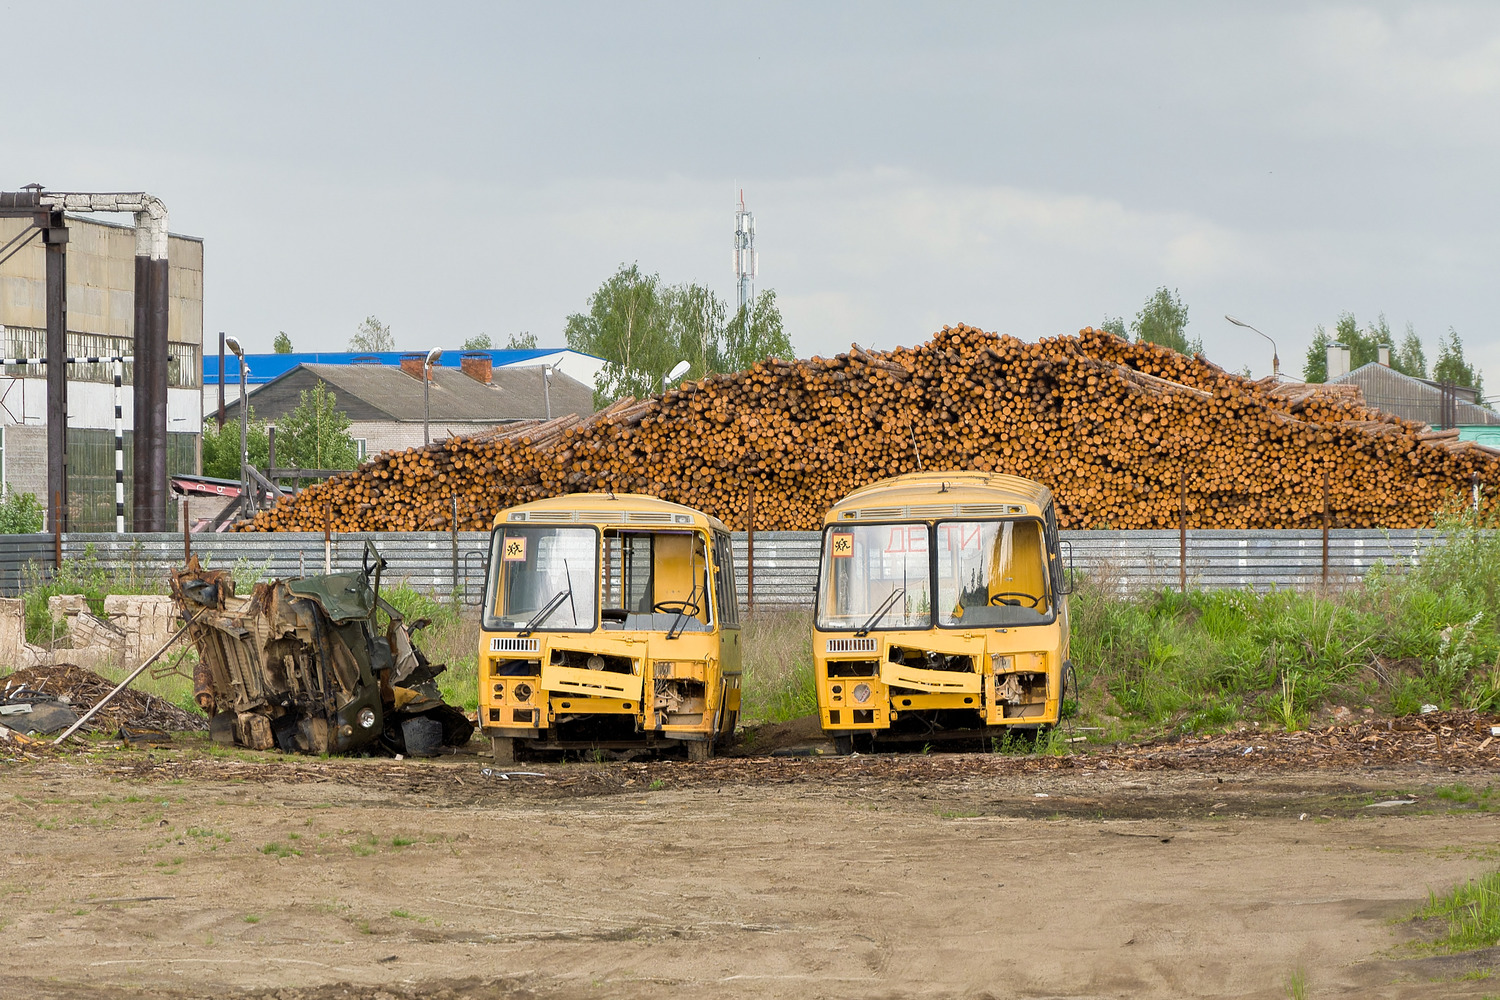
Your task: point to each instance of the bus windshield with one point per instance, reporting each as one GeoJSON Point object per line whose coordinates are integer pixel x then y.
{"type": "Point", "coordinates": [657, 581]}
{"type": "Point", "coordinates": [991, 573]}
{"type": "Point", "coordinates": [875, 576]}
{"type": "Point", "coordinates": [542, 579]}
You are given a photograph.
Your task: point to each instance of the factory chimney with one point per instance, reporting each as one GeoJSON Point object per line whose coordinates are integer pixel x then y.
{"type": "Point", "coordinates": [1338, 360]}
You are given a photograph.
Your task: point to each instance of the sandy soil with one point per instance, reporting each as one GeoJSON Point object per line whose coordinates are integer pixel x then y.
{"type": "Point", "coordinates": [166, 874]}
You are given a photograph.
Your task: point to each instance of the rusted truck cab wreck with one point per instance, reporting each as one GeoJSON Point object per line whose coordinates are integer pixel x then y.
{"type": "Point", "coordinates": [302, 665]}
{"type": "Point", "coordinates": [610, 622]}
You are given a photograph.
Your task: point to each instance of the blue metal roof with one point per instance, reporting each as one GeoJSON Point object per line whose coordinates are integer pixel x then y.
{"type": "Point", "coordinates": [265, 367]}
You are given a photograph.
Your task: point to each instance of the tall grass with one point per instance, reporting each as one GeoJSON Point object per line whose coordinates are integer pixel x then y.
{"type": "Point", "coordinates": [1472, 911]}
{"type": "Point", "coordinates": [776, 656]}
{"type": "Point", "coordinates": [1398, 639]}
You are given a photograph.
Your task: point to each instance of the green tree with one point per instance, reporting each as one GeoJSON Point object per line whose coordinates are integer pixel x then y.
{"type": "Point", "coordinates": [372, 337]}
{"type": "Point", "coordinates": [221, 447]}
{"type": "Point", "coordinates": [696, 317]}
{"type": "Point", "coordinates": [1115, 325]}
{"type": "Point", "coordinates": [1315, 366]}
{"type": "Point", "coordinates": [1163, 320]}
{"type": "Point", "coordinates": [316, 434]}
{"type": "Point", "coordinates": [522, 341]}
{"type": "Point", "coordinates": [1452, 368]}
{"type": "Point", "coordinates": [1364, 348]}
{"type": "Point", "coordinates": [1410, 357]}
{"type": "Point", "coordinates": [643, 328]}
{"type": "Point", "coordinates": [20, 513]}
{"type": "Point", "coordinates": [755, 334]}
{"type": "Point", "coordinates": [282, 344]}
{"type": "Point", "coordinates": [481, 342]}
{"type": "Point", "coordinates": [628, 326]}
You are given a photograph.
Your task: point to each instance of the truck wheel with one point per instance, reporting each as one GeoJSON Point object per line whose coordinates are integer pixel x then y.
{"type": "Point", "coordinates": [504, 749]}
{"type": "Point", "coordinates": [700, 750]}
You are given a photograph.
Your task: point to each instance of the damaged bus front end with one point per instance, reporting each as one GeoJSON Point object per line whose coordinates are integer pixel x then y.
{"type": "Point", "coordinates": [942, 610]}
{"type": "Point", "coordinates": [610, 623]}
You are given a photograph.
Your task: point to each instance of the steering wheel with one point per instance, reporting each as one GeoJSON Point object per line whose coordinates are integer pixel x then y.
{"type": "Point", "coordinates": [676, 607]}
{"type": "Point", "coordinates": [1000, 598]}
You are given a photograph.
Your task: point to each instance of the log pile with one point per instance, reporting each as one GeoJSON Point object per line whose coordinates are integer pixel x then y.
{"type": "Point", "coordinates": [1115, 429]}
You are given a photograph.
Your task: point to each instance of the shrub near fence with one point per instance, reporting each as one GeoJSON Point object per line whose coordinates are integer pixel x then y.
{"type": "Point", "coordinates": [786, 562]}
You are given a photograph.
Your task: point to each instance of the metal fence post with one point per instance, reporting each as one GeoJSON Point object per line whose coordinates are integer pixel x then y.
{"type": "Point", "coordinates": [1182, 534]}
{"type": "Point", "coordinates": [1325, 528]}
{"type": "Point", "coordinates": [750, 553]}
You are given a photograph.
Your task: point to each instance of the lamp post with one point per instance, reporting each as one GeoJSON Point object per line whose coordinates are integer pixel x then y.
{"type": "Point", "coordinates": [547, 387]}
{"type": "Point", "coordinates": [1275, 361]}
{"type": "Point", "coordinates": [233, 344]}
{"type": "Point", "coordinates": [678, 370]}
{"type": "Point", "coordinates": [432, 357]}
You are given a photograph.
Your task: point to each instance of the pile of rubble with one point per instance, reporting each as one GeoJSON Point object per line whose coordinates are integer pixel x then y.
{"type": "Point", "coordinates": [55, 695]}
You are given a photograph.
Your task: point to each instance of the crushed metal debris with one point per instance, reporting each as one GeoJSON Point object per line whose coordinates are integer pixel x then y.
{"type": "Point", "coordinates": [301, 665]}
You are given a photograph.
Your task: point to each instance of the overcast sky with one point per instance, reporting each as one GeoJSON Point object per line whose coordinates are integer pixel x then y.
{"type": "Point", "coordinates": [1028, 168]}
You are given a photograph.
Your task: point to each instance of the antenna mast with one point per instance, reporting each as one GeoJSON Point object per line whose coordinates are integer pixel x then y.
{"type": "Point", "coordinates": [746, 260]}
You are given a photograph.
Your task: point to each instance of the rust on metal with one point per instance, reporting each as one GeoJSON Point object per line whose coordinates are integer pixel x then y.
{"type": "Point", "coordinates": [303, 665]}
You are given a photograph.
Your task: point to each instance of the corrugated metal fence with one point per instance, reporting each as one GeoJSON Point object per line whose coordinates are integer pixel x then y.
{"type": "Point", "coordinates": [786, 562]}
{"type": "Point", "coordinates": [19, 551]}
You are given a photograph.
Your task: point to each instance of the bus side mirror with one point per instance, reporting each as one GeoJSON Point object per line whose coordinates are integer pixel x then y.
{"type": "Point", "coordinates": [1065, 554]}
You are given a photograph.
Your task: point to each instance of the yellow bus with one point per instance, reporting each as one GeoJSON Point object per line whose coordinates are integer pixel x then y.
{"type": "Point", "coordinates": [610, 622]}
{"type": "Point", "coordinates": [941, 609]}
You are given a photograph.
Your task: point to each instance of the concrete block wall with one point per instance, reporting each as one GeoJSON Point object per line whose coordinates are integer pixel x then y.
{"type": "Point", "coordinates": [26, 457]}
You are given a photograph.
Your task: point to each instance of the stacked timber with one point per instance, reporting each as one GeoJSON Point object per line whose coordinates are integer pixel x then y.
{"type": "Point", "coordinates": [1121, 432]}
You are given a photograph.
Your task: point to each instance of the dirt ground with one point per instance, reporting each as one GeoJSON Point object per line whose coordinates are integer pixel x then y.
{"type": "Point", "coordinates": [1190, 869]}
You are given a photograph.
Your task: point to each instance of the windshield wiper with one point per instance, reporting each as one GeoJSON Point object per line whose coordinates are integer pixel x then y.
{"type": "Point", "coordinates": [880, 612]}
{"type": "Point", "coordinates": [546, 610]}
{"type": "Point", "coordinates": [682, 615]}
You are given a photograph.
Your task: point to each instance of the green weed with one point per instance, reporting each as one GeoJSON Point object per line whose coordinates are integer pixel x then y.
{"type": "Point", "coordinates": [279, 850]}
{"type": "Point", "coordinates": [777, 683]}
{"type": "Point", "coordinates": [1472, 912]}
{"type": "Point", "coordinates": [1482, 799]}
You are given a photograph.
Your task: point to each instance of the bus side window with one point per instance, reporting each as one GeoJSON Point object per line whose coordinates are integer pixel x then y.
{"type": "Point", "coordinates": [724, 585]}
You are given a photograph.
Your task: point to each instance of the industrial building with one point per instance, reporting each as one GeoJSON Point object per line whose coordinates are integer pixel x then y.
{"type": "Point", "coordinates": [102, 315]}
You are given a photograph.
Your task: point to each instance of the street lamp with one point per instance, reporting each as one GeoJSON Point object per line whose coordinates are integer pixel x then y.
{"type": "Point", "coordinates": [432, 357]}
{"type": "Point", "coordinates": [547, 371]}
{"type": "Point", "coordinates": [233, 344]}
{"type": "Point", "coordinates": [678, 370]}
{"type": "Point", "coordinates": [1275, 361]}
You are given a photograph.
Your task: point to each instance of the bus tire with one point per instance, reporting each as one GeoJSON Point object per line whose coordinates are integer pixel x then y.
{"type": "Point", "coordinates": [699, 751]}
{"type": "Point", "coordinates": [843, 745]}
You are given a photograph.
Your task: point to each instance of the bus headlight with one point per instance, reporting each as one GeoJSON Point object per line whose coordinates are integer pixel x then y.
{"type": "Point", "coordinates": [861, 693]}
{"type": "Point", "coordinates": [366, 718]}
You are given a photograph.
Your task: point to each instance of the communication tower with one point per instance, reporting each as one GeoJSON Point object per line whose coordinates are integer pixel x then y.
{"type": "Point", "coordinates": [746, 261]}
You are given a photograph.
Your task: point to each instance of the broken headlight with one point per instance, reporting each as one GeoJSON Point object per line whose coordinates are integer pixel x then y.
{"type": "Point", "coordinates": [861, 693]}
